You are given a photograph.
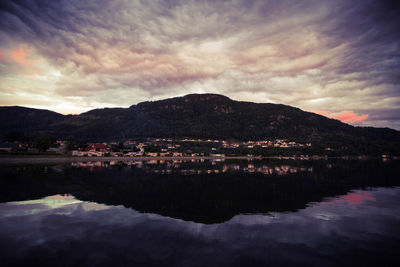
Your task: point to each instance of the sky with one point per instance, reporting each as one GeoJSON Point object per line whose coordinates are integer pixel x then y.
{"type": "Point", "coordinates": [337, 58]}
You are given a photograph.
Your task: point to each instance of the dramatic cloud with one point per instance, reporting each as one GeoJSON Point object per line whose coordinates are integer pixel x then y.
{"type": "Point", "coordinates": [336, 56]}
{"type": "Point", "coordinates": [344, 116]}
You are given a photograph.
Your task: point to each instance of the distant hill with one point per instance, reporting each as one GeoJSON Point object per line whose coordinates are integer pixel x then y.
{"type": "Point", "coordinates": [199, 116]}
{"type": "Point", "coordinates": [26, 120]}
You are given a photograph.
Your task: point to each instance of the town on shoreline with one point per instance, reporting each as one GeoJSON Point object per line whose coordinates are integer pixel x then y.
{"type": "Point", "coordinates": [45, 146]}
{"type": "Point", "coordinates": [152, 147]}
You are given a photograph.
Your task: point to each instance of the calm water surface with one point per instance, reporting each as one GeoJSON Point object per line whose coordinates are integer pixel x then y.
{"type": "Point", "coordinates": [201, 213]}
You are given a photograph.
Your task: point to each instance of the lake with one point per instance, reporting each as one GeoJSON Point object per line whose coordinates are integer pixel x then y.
{"type": "Point", "coordinates": [201, 213]}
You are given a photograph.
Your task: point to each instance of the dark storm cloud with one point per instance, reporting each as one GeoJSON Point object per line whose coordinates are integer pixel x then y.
{"type": "Point", "coordinates": [317, 55]}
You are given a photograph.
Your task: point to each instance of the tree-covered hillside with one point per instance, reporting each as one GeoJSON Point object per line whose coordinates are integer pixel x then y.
{"type": "Point", "coordinates": [199, 116]}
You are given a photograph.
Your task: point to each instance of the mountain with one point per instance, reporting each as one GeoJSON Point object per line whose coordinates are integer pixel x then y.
{"type": "Point", "coordinates": [197, 116]}
{"type": "Point", "coordinates": [26, 120]}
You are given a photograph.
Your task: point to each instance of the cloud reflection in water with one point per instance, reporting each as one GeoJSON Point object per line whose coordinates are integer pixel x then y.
{"type": "Point", "coordinates": [337, 231]}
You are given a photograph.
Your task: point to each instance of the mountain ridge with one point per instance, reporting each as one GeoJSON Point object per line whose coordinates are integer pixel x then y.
{"type": "Point", "coordinates": [197, 116]}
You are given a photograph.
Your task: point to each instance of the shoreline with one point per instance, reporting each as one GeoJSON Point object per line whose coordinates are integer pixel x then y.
{"type": "Point", "coordinates": [38, 160]}
{"type": "Point", "coordinates": [4, 160]}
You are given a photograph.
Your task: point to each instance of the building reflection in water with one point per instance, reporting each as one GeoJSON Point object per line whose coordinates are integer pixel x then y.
{"type": "Point", "coordinates": [197, 166]}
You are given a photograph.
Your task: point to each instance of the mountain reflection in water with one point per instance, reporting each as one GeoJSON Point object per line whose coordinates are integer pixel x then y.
{"type": "Point", "coordinates": [62, 230]}
{"type": "Point", "coordinates": [200, 191]}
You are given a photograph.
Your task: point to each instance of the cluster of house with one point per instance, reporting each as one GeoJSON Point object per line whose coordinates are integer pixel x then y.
{"type": "Point", "coordinates": [171, 147]}
{"type": "Point", "coordinates": [165, 147]}
{"type": "Point", "coordinates": [104, 149]}
{"type": "Point", "coordinates": [271, 143]}
{"type": "Point", "coordinates": [247, 144]}
{"type": "Point", "coordinates": [94, 150]}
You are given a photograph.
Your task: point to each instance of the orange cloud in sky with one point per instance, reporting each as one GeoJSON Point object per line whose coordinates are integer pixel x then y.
{"type": "Point", "coordinates": [32, 76]}
{"type": "Point", "coordinates": [20, 56]}
{"type": "Point", "coordinates": [349, 116]}
{"type": "Point", "coordinates": [344, 116]}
